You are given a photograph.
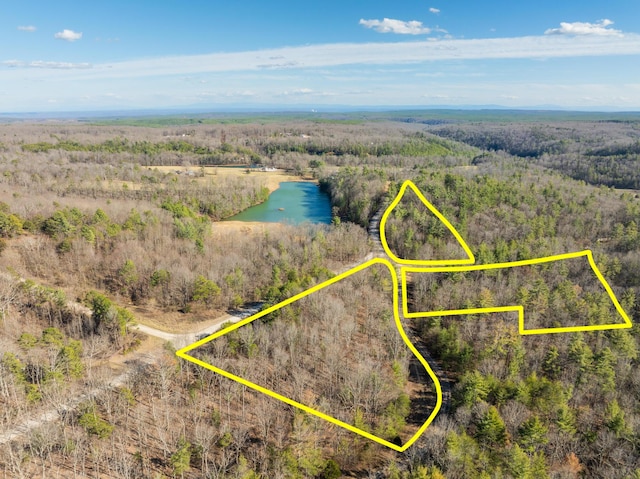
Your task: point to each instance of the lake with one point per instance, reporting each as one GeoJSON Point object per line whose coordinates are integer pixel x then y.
{"type": "Point", "coordinates": [295, 202]}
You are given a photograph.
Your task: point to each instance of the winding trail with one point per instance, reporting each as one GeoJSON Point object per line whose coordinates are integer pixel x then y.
{"type": "Point", "coordinates": [180, 340]}
{"type": "Point", "coordinates": [445, 381]}
{"type": "Point", "coordinates": [131, 362]}
{"type": "Point", "coordinates": [55, 414]}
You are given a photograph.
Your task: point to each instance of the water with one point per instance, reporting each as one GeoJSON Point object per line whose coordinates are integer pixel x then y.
{"type": "Point", "coordinates": [294, 202]}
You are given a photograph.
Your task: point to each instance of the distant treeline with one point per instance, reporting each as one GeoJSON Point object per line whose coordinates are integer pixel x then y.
{"type": "Point", "coordinates": [204, 154]}
{"type": "Point", "coordinates": [415, 146]}
{"type": "Point", "coordinates": [597, 153]}
{"type": "Point", "coordinates": [119, 145]}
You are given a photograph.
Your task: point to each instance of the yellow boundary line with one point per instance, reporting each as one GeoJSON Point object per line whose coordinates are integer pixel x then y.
{"type": "Point", "coordinates": [383, 236]}
{"type": "Point", "coordinates": [183, 354]}
{"type": "Point", "coordinates": [519, 308]}
{"type": "Point", "coordinates": [443, 266]}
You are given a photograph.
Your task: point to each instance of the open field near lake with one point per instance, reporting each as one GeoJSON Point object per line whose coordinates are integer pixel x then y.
{"type": "Point", "coordinates": [271, 179]}
{"type": "Point", "coordinates": [111, 235]}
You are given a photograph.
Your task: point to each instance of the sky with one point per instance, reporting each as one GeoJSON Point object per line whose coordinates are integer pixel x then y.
{"type": "Point", "coordinates": [140, 54]}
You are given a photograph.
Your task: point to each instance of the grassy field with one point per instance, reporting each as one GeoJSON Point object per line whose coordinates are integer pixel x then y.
{"type": "Point", "coordinates": [272, 179]}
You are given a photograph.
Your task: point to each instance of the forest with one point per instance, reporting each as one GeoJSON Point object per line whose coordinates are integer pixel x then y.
{"type": "Point", "coordinates": [105, 228]}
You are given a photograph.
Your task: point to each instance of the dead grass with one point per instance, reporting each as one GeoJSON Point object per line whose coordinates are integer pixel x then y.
{"type": "Point", "coordinates": [256, 228]}
{"type": "Point", "coordinates": [175, 321]}
{"type": "Point", "coordinates": [272, 179]}
{"type": "Point", "coordinates": [149, 346]}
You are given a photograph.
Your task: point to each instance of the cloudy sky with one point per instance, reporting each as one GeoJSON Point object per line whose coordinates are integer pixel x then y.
{"type": "Point", "coordinates": [69, 55]}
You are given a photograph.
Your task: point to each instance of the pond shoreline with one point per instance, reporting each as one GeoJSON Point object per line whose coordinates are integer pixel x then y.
{"type": "Point", "coordinates": [292, 202]}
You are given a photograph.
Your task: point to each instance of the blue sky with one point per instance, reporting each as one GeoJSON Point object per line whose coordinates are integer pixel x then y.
{"type": "Point", "coordinates": [70, 55]}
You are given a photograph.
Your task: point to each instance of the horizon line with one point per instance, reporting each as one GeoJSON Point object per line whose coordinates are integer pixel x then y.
{"type": "Point", "coordinates": [311, 109]}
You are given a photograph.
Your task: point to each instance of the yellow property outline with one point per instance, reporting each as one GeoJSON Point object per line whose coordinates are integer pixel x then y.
{"type": "Point", "coordinates": [183, 354]}
{"type": "Point", "coordinates": [443, 266]}
{"type": "Point", "coordinates": [383, 236]}
{"type": "Point", "coordinates": [519, 308]}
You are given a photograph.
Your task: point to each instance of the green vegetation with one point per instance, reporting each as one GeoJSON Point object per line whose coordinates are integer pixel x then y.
{"type": "Point", "coordinates": [40, 376]}
{"type": "Point", "coordinates": [408, 116]}
{"type": "Point", "coordinates": [118, 145]}
{"type": "Point", "coordinates": [181, 459]}
{"type": "Point", "coordinates": [354, 381]}
{"type": "Point", "coordinates": [10, 225]}
{"type": "Point", "coordinates": [416, 146]}
{"type": "Point", "coordinates": [89, 214]}
{"type": "Point", "coordinates": [205, 291]}
{"type": "Point", "coordinates": [568, 148]}
{"type": "Point", "coordinates": [91, 421]}
{"type": "Point", "coordinates": [109, 319]}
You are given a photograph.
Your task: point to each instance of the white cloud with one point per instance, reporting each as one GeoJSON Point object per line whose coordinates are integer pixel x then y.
{"type": "Point", "coordinates": [41, 64]}
{"type": "Point", "coordinates": [349, 64]}
{"type": "Point", "coordinates": [434, 10]}
{"type": "Point", "coordinates": [354, 54]}
{"type": "Point", "coordinates": [583, 28]}
{"type": "Point", "coordinates": [14, 63]}
{"type": "Point", "coordinates": [389, 25]}
{"type": "Point", "coordinates": [68, 35]}
{"type": "Point", "coordinates": [380, 53]}
{"type": "Point", "coordinates": [436, 97]}
{"type": "Point", "coordinates": [298, 91]}
{"type": "Point", "coordinates": [60, 65]}
{"type": "Point", "coordinates": [241, 94]}
{"type": "Point", "coordinates": [276, 66]}
{"type": "Point", "coordinates": [27, 28]}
